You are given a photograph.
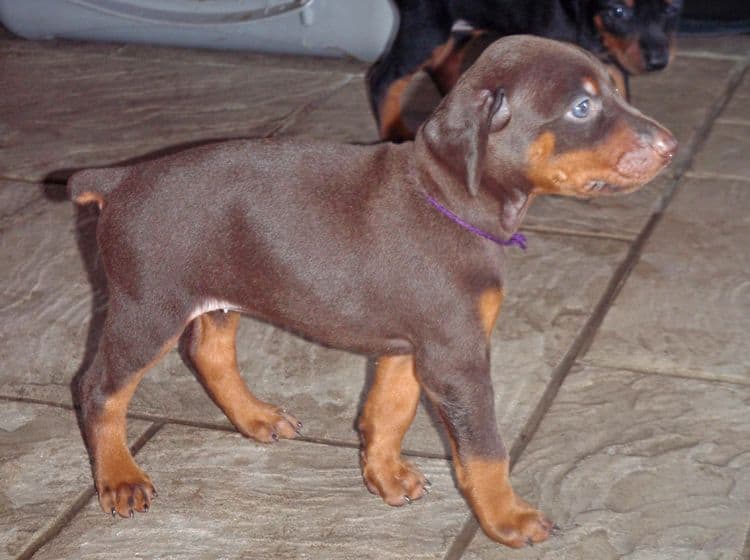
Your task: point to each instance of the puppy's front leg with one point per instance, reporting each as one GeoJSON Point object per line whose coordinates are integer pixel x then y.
{"type": "Point", "coordinates": [386, 416]}
{"type": "Point", "coordinates": [457, 380]}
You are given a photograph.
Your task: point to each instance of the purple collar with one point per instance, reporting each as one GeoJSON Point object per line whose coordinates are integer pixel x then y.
{"type": "Point", "coordinates": [518, 239]}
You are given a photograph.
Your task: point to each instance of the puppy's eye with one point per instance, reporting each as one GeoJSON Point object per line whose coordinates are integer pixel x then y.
{"type": "Point", "coordinates": [670, 10]}
{"type": "Point", "coordinates": [581, 109]}
{"type": "Point", "coordinates": [620, 12]}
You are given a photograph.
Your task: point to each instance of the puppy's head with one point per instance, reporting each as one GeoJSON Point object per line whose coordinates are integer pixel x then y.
{"type": "Point", "coordinates": [637, 34]}
{"type": "Point", "coordinates": [543, 117]}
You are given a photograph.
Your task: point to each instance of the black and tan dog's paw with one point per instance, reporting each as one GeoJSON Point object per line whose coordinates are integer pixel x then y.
{"type": "Point", "coordinates": [397, 481]}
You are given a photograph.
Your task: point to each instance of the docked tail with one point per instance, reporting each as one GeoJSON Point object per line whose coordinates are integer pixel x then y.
{"type": "Point", "coordinates": [93, 185]}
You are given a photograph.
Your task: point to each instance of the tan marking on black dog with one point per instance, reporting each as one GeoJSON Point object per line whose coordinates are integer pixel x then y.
{"type": "Point", "coordinates": [625, 49]}
{"type": "Point", "coordinates": [392, 125]}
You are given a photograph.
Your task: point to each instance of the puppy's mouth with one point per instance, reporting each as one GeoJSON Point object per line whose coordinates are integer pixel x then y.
{"type": "Point", "coordinates": [599, 186]}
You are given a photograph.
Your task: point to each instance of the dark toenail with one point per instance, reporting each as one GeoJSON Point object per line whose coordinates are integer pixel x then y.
{"type": "Point", "coordinates": [529, 542]}
{"type": "Point", "coordinates": [275, 436]}
{"type": "Point", "coordinates": [427, 483]}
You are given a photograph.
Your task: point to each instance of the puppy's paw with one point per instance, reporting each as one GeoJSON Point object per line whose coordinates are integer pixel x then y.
{"type": "Point", "coordinates": [518, 526]}
{"type": "Point", "coordinates": [268, 424]}
{"type": "Point", "coordinates": [397, 481]}
{"type": "Point", "coordinates": [124, 490]}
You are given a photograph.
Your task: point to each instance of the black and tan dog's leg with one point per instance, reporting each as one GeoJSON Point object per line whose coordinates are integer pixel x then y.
{"type": "Point", "coordinates": [386, 416]}
{"type": "Point", "coordinates": [212, 349]}
{"type": "Point", "coordinates": [423, 26]}
{"type": "Point", "coordinates": [130, 345]}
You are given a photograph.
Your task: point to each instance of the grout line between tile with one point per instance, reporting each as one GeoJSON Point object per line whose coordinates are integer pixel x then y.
{"type": "Point", "coordinates": [294, 115]}
{"type": "Point", "coordinates": [11, 178]}
{"type": "Point", "coordinates": [61, 521]}
{"type": "Point", "coordinates": [716, 176]}
{"type": "Point", "coordinates": [586, 335]}
{"type": "Point", "coordinates": [733, 121]}
{"type": "Point", "coordinates": [694, 375]}
{"type": "Point", "coordinates": [220, 427]}
{"type": "Point", "coordinates": [708, 54]}
{"type": "Point", "coordinates": [544, 230]}
{"type": "Point", "coordinates": [745, 554]}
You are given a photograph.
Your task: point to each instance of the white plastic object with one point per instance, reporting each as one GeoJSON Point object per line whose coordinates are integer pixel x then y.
{"type": "Point", "coordinates": [357, 28]}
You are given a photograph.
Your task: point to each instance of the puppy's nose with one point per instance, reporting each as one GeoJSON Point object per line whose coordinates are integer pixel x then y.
{"type": "Point", "coordinates": [656, 59]}
{"type": "Point", "coordinates": [663, 143]}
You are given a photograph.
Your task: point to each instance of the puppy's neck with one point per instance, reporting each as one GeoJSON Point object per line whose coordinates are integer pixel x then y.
{"type": "Point", "coordinates": [499, 211]}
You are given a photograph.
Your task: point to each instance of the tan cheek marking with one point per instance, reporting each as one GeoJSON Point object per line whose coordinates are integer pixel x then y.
{"type": "Point", "coordinates": [625, 49]}
{"type": "Point", "coordinates": [569, 173]}
{"type": "Point", "coordinates": [489, 308]}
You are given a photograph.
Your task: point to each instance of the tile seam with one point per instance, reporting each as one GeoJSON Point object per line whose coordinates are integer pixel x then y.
{"type": "Point", "coordinates": [63, 519]}
{"type": "Point", "coordinates": [734, 121]}
{"type": "Point", "coordinates": [543, 230]}
{"type": "Point", "coordinates": [295, 114]}
{"type": "Point", "coordinates": [219, 427]}
{"type": "Point", "coordinates": [745, 554]}
{"type": "Point", "coordinates": [708, 55]}
{"type": "Point", "coordinates": [588, 332]}
{"type": "Point", "coordinates": [688, 375]}
{"type": "Point", "coordinates": [716, 176]}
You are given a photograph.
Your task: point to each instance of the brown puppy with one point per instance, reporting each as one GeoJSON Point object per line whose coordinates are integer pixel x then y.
{"type": "Point", "coordinates": [345, 245]}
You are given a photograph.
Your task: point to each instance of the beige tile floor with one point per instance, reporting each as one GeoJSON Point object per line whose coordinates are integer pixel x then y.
{"type": "Point", "coordinates": [621, 361]}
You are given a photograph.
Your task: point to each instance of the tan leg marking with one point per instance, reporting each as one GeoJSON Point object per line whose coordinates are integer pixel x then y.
{"type": "Point", "coordinates": [489, 308]}
{"type": "Point", "coordinates": [122, 486]}
{"type": "Point", "coordinates": [392, 125]}
{"type": "Point", "coordinates": [386, 416]}
{"type": "Point", "coordinates": [214, 354]}
{"type": "Point", "coordinates": [503, 516]}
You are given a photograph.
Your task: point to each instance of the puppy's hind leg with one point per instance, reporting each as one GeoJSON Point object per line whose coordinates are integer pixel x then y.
{"type": "Point", "coordinates": [131, 342]}
{"type": "Point", "coordinates": [210, 341]}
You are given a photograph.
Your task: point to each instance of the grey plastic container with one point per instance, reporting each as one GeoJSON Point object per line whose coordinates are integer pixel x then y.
{"type": "Point", "coordinates": [357, 28]}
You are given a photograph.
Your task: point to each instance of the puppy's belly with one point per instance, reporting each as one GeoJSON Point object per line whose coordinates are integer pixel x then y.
{"type": "Point", "coordinates": [327, 327]}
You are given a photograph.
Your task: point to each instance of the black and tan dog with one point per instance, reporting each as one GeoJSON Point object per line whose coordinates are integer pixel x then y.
{"type": "Point", "coordinates": [631, 36]}
{"type": "Point", "coordinates": [382, 250]}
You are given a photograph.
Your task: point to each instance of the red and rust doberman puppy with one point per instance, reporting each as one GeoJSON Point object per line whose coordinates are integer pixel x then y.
{"type": "Point", "coordinates": [384, 250]}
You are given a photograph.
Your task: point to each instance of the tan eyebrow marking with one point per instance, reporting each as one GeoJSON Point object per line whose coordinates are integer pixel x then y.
{"type": "Point", "coordinates": [590, 86]}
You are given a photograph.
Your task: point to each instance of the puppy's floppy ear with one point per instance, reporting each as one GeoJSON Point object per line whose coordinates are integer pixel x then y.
{"type": "Point", "coordinates": [457, 131]}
